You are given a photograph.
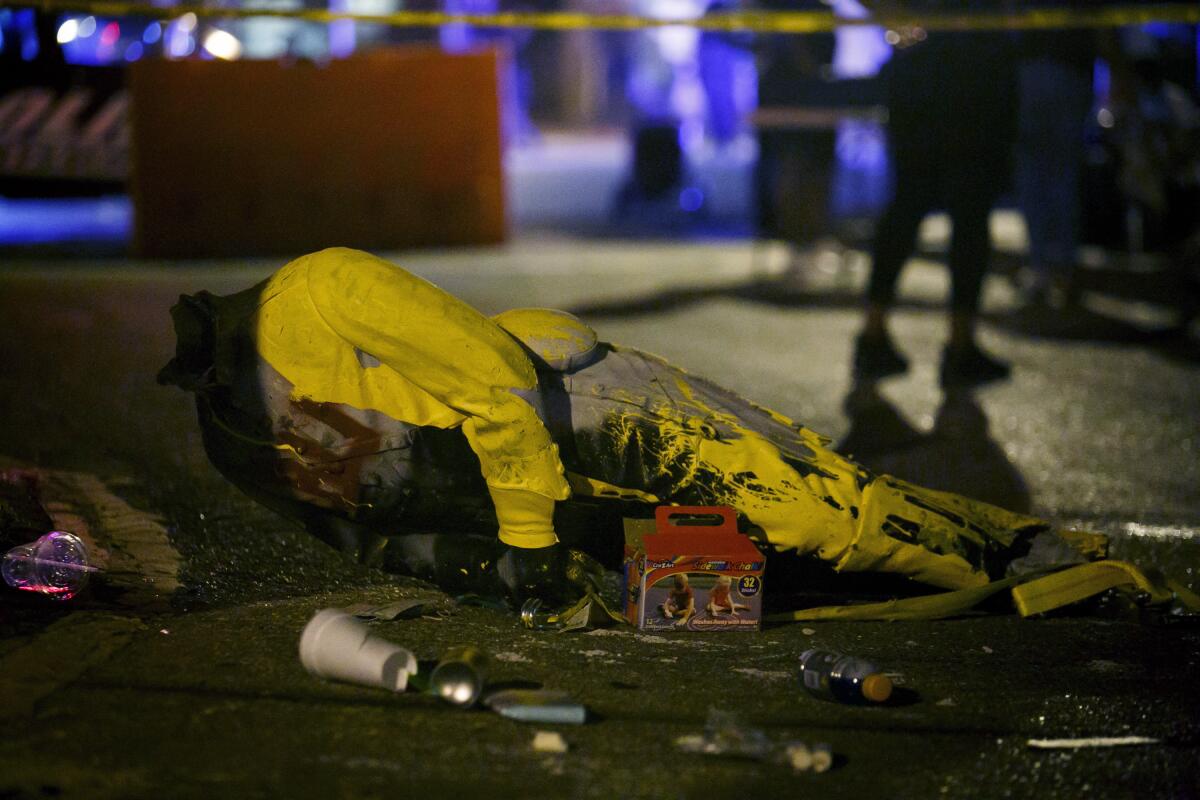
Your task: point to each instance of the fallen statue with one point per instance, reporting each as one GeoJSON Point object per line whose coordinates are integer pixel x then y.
{"type": "Point", "coordinates": [367, 403]}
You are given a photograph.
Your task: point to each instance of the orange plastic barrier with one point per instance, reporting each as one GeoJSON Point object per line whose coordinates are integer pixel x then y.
{"type": "Point", "coordinates": [390, 150]}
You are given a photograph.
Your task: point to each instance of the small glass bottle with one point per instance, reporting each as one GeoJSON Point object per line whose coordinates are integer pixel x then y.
{"type": "Point", "coordinates": [847, 679]}
{"type": "Point", "coordinates": [537, 617]}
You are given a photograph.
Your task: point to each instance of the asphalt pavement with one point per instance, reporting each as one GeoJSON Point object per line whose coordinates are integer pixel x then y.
{"type": "Point", "coordinates": [177, 673]}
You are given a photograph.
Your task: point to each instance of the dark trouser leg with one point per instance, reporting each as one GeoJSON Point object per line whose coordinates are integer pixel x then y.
{"type": "Point", "coordinates": [970, 248]}
{"type": "Point", "coordinates": [963, 363]}
{"type": "Point", "coordinates": [916, 185]}
{"type": "Point", "coordinates": [894, 242]}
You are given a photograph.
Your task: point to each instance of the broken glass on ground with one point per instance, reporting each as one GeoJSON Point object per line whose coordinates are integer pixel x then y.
{"type": "Point", "coordinates": [727, 736]}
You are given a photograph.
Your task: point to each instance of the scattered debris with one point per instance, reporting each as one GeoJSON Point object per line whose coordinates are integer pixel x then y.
{"type": "Point", "coordinates": [132, 548]}
{"type": "Point", "coordinates": [537, 617]}
{"type": "Point", "coordinates": [609, 632]}
{"type": "Point", "coordinates": [946, 701]}
{"type": "Point", "coordinates": [595, 653]}
{"type": "Point", "coordinates": [652, 639]}
{"type": "Point", "coordinates": [987, 649]}
{"type": "Point", "coordinates": [336, 646]}
{"type": "Point", "coordinates": [808, 631]}
{"type": "Point", "coordinates": [411, 608]}
{"type": "Point", "coordinates": [1095, 741]}
{"type": "Point", "coordinates": [725, 735]}
{"type": "Point", "coordinates": [684, 642]}
{"type": "Point", "coordinates": [549, 742]}
{"type": "Point", "coordinates": [822, 757]}
{"type": "Point", "coordinates": [512, 658]}
{"type": "Point", "coordinates": [847, 679]}
{"type": "Point", "coordinates": [802, 758]}
{"type": "Point", "coordinates": [765, 674]}
{"type": "Point", "coordinates": [799, 756]}
{"type": "Point", "coordinates": [458, 678]}
{"type": "Point", "coordinates": [55, 565]}
{"type": "Point", "coordinates": [588, 614]}
{"type": "Point", "coordinates": [537, 705]}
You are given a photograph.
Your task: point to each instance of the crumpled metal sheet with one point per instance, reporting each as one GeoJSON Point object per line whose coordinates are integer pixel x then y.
{"type": "Point", "coordinates": [411, 608]}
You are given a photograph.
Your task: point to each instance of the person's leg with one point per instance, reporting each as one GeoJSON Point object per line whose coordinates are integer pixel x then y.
{"type": "Point", "coordinates": [970, 249]}
{"type": "Point", "coordinates": [1055, 97]}
{"type": "Point", "coordinates": [969, 204]}
{"type": "Point", "coordinates": [1035, 167]}
{"type": "Point", "coordinates": [894, 241]}
{"type": "Point", "coordinates": [895, 236]}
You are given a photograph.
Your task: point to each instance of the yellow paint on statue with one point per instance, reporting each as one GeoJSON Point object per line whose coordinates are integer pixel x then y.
{"type": "Point", "coordinates": [346, 327]}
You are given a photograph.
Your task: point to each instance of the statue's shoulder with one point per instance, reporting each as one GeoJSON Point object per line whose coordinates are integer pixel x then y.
{"type": "Point", "coordinates": [561, 341]}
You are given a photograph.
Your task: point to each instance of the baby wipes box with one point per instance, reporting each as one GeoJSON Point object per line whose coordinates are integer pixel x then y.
{"type": "Point", "coordinates": [690, 569]}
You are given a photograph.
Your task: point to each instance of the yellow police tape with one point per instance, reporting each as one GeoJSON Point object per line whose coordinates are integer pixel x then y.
{"type": "Point", "coordinates": [795, 22]}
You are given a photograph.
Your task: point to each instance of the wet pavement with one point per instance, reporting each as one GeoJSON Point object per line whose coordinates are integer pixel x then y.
{"type": "Point", "coordinates": [178, 675]}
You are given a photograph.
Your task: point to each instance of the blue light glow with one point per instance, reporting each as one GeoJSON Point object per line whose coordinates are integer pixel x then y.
{"type": "Point", "coordinates": [341, 32]}
{"type": "Point", "coordinates": [860, 50]}
{"type": "Point", "coordinates": [23, 32]}
{"type": "Point", "coordinates": [89, 41]}
{"type": "Point", "coordinates": [691, 198]}
{"type": "Point", "coordinates": [178, 41]}
{"type": "Point", "coordinates": [41, 221]}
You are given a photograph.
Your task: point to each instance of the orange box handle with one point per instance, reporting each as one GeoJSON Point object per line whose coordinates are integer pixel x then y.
{"type": "Point", "coordinates": [665, 519]}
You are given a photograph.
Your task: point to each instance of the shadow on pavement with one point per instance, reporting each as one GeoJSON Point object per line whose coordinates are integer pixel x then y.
{"type": "Point", "coordinates": [958, 455]}
{"type": "Point", "coordinates": [1080, 324]}
{"type": "Point", "coordinates": [1076, 323]}
{"type": "Point", "coordinates": [782, 294]}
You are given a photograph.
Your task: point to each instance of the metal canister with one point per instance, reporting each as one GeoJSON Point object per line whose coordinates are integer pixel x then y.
{"type": "Point", "coordinates": [459, 675]}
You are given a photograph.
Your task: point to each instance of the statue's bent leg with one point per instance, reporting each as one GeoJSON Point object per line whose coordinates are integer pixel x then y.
{"type": "Point", "coordinates": [939, 538]}
{"type": "Point", "coordinates": [826, 505]}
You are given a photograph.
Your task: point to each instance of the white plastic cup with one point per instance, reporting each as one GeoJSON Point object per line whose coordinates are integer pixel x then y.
{"type": "Point", "coordinates": [339, 647]}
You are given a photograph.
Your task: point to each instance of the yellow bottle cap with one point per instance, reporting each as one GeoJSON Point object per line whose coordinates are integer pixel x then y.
{"type": "Point", "coordinates": [877, 687]}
